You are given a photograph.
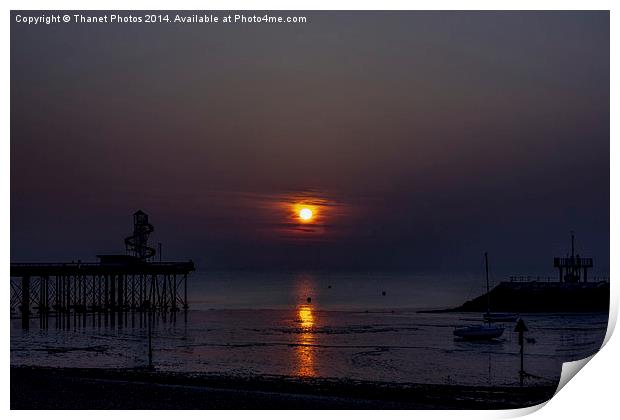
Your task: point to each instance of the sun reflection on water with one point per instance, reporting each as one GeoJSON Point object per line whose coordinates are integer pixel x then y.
{"type": "Point", "coordinates": [306, 319]}
{"type": "Point", "coordinates": [305, 345]}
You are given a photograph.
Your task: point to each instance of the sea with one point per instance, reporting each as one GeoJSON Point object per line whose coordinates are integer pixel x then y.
{"type": "Point", "coordinates": [346, 326]}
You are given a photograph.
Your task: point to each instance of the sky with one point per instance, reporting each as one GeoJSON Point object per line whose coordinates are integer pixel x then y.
{"type": "Point", "coordinates": [420, 139]}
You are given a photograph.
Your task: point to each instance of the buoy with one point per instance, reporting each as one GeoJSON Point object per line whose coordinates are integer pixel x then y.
{"type": "Point", "coordinates": [309, 300]}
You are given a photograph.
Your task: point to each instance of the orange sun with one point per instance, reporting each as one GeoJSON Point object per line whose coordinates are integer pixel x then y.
{"type": "Point", "coordinates": [305, 214]}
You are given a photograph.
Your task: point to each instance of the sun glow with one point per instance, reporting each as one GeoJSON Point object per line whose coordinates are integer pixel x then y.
{"type": "Point", "coordinates": [305, 214]}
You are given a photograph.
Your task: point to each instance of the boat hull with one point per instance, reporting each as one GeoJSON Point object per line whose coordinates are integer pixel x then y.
{"type": "Point", "coordinates": [500, 317]}
{"type": "Point", "coordinates": [479, 333]}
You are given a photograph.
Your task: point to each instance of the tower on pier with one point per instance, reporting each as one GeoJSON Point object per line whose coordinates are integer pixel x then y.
{"type": "Point", "coordinates": [573, 269]}
{"type": "Point", "coordinates": [137, 244]}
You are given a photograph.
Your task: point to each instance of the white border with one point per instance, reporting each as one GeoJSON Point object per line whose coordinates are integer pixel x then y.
{"type": "Point", "coordinates": [592, 395]}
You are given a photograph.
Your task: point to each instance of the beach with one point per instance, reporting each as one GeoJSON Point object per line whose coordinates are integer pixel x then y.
{"type": "Point", "coordinates": [69, 388]}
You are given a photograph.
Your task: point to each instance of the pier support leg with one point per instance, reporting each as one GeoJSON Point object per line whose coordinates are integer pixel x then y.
{"type": "Point", "coordinates": [185, 305]}
{"type": "Point", "coordinates": [112, 299]}
{"type": "Point", "coordinates": [25, 302]}
{"type": "Point", "coordinates": [120, 301]}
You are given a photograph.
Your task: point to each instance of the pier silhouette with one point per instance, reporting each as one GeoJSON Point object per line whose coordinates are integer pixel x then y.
{"type": "Point", "coordinates": [111, 287]}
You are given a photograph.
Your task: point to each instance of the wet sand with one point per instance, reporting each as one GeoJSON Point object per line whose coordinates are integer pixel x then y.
{"type": "Point", "coordinates": [68, 388]}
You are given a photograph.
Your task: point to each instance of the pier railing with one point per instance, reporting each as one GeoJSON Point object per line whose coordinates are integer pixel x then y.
{"type": "Point", "coordinates": [73, 268]}
{"type": "Point", "coordinates": [523, 279]}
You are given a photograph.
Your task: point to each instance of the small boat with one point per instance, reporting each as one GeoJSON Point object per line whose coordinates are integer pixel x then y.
{"type": "Point", "coordinates": [500, 317]}
{"type": "Point", "coordinates": [482, 332]}
{"type": "Point", "coordinates": [479, 332]}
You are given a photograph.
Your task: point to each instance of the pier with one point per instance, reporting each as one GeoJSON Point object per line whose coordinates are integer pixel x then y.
{"type": "Point", "coordinates": [111, 287]}
{"type": "Point", "coordinates": [570, 291]}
